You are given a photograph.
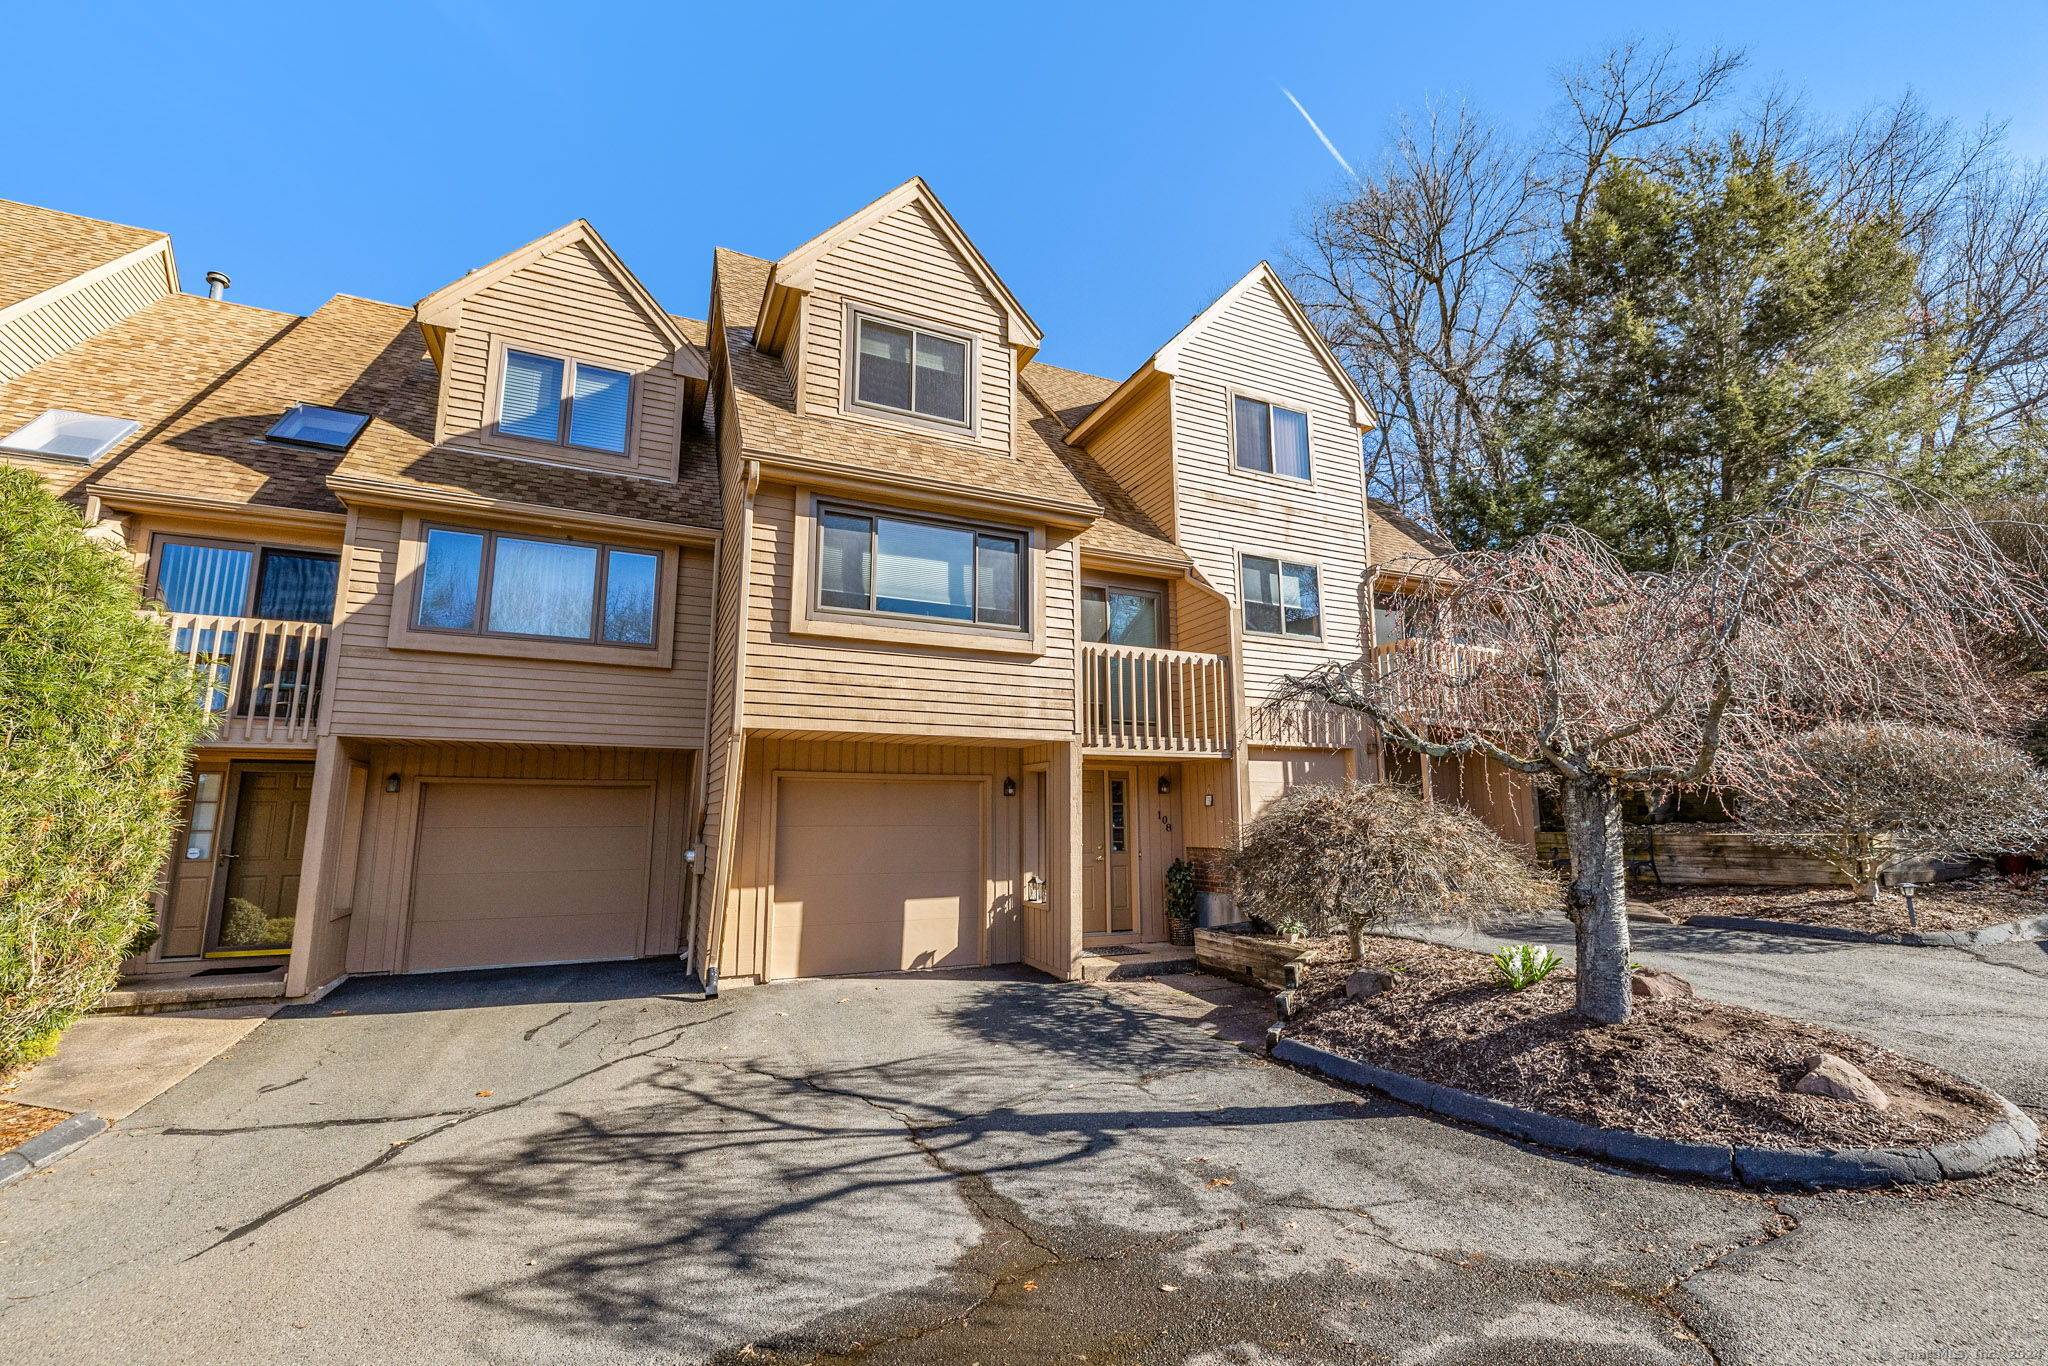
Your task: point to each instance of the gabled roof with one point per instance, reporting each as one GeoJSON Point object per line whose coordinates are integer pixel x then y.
{"type": "Point", "coordinates": [796, 272]}
{"type": "Point", "coordinates": [441, 311]}
{"type": "Point", "coordinates": [1167, 359]}
{"type": "Point", "coordinates": [1070, 394]}
{"type": "Point", "coordinates": [41, 249]}
{"type": "Point", "coordinates": [1401, 545]}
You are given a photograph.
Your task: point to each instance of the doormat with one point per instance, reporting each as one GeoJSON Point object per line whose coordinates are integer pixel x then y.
{"type": "Point", "coordinates": [235, 972]}
{"type": "Point", "coordinates": [1113, 951]}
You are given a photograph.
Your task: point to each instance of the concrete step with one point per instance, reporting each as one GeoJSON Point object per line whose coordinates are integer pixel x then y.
{"type": "Point", "coordinates": [1151, 960]}
{"type": "Point", "coordinates": [142, 996]}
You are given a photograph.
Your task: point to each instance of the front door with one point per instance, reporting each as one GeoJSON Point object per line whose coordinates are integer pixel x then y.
{"type": "Point", "coordinates": [1106, 903]}
{"type": "Point", "coordinates": [260, 878]}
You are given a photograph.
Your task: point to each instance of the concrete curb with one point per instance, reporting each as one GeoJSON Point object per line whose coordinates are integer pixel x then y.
{"type": "Point", "coordinates": [2034, 927]}
{"type": "Point", "coordinates": [59, 1140]}
{"type": "Point", "coordinates": [2011, 1139]}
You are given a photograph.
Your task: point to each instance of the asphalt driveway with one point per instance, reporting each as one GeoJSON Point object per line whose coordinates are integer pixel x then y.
{"type": "Point", "coordinates": [593, 1165]}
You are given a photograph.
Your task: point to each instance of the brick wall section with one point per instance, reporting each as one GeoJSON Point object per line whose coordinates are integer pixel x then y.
{"type": "Point", "coordinates": [1209, 874]}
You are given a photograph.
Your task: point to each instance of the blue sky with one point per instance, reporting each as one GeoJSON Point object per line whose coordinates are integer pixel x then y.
{"type": "Point", "coordinates": [1119, 163]}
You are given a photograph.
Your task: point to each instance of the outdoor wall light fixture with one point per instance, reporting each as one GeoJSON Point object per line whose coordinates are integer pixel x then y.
{"type": "Point", "coordinates": [1009, 787]}
{"type": "Point", "coordinates": [1165, 785]}
{"type": "Point", "coordinates": [391, 782]}
{"type": "Point", "coordinates": [1208, 799]}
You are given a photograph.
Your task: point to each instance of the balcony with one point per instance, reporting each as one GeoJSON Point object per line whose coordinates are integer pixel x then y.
{"type": "Point", "coordinates": [1140, 701]}
{"type": "Point", "coordinates": [1442, 679]}
{"type": "Point", "coordinates": [263, 677]}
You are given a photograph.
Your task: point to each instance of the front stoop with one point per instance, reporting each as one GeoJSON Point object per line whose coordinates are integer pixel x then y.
{"type": "Point", "coordinates": [1150, 960]}
{"type": "Point", "coordinates": [147, 995]}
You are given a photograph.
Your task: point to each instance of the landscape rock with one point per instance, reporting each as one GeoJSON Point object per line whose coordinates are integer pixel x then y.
{"type": "Point", "coordinates": [1368, 982]}
{"type": "Point", "coordinates": [1650, 916]}
{"type": "Point", "coordinates": [1655, 984]}
{"type": "Point", "coordinates": [1840, 1079]}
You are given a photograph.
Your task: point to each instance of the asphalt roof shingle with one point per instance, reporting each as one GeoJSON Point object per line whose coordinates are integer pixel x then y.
{"type": "Point", "coordinates": [45, 248]}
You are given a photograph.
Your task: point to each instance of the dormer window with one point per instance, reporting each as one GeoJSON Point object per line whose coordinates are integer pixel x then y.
{"type": "Point", "coordinates": [1269, 438]}
{"type": "Point", "coordinates": [309, 424]}
{"type": "Point", "coordinates": [65, 435]}
{"type": "Point", "coordinates": [564, 402]}
{"type": "Point", "coordinates": [904, 369]}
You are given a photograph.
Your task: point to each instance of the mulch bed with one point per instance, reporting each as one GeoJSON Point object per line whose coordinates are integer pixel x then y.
{"type": "Point", "coordinates": [1684, 1069]}
{"type": "Point", "coordinates": [1965, 904]}
{"type": "Point", "coordinates": [20, 1123]}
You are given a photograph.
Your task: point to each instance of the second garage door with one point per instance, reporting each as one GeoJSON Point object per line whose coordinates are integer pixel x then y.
{"type": "Point", "coordinates": [1273, 771]}
{"type": "Point", "coordinates": [529, 873]}
{"type": "Point", "coordinates": [875, 875]}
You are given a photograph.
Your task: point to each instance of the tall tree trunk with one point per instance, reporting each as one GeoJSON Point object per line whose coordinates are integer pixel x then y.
{"type": "Point", "coordinates": [1599, 897]}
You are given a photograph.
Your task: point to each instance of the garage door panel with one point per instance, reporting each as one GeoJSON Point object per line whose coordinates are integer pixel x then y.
{"type": "Point", "coordinates": [525, 849]}
{"type": "Point", "coordinates": [529, 873]}
{"type": "Point", "coordinates": [876, 875]}
{"type": "Point", "coordinates": [539, 939]}
{"type": "Point", "coordinates": [1272, 771]}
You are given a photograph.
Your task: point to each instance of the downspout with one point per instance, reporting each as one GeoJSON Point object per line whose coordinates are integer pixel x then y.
{"type": "Point", "coordinates": [735, 736]}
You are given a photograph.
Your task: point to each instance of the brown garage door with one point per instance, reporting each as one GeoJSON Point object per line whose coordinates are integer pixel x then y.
{"type": "Point", "coordinates": [875, 875]}
{"type": "Point", "coordinates": [1273, 771]}
{"type": "Point", "coordinates": [529, 873]}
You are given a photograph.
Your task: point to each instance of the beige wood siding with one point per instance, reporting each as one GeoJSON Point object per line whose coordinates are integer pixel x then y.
{"type": "Point", "coordinates": [1254, 347]}
{"type": "Point", "coordinates": [746, 951]}
{"type": "Point", "coordinates": [903, 265]}
{"type": "Point", "coordinates": [812, 682]}
{"type": "Point", "coordinates": [1136, 449]}
{"type": "Point", "coordinates": [386, 857]}
{"type": "Point", "coordinates": [386, 692]}
{"type": "Point", "coordinates": [89, 305]}
{"type": "Point", "coordinates": [565, 303]}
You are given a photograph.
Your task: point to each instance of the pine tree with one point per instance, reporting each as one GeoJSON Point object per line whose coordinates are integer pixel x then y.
{"type": "Point", "coordinates": [1708, 334]}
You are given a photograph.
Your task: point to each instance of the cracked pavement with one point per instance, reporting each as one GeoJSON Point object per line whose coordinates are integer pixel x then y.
{"type": "Point", "coordinates": [594, 1165]}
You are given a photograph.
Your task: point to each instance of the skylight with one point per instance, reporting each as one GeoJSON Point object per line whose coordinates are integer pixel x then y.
{"type": "Point", "coordinates": [65, 435]}
{"type": "Point", "coordinates": [308, 424]}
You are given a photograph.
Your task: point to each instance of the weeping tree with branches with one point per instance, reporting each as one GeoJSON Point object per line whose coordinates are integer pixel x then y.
{"type": "Point", "coordinates": [1849, 598]}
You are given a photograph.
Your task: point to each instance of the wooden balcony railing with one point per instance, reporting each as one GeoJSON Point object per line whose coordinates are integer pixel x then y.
{"type": "Point", "coordinates": [1143, 701]}
{"type": "Point", "coordinates": [262, 677]}
{"type": "Point", "coordinates": [1442, 677]}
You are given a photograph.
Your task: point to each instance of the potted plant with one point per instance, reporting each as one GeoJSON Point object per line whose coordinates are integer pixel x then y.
{"type": "Point", "coordinates": [1180, 902]}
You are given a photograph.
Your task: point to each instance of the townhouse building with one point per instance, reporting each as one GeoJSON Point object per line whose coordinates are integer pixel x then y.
{"type": "Point", "coordinates": [833, 633]}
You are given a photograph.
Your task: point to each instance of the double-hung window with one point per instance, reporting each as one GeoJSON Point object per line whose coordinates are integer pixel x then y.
{"type": "Point", "coordinates": [566, 402]}
{"type": "Point", "coordinates": [909, 370]}
{"type": "Point", "coordinates": [1281, 598]}
{"type": "Point", "coordinates": [496, 583]}
{"type": "Point", "coordinates": [905, 566]}
{"type": "Point", "coordinates": [1269, 438]}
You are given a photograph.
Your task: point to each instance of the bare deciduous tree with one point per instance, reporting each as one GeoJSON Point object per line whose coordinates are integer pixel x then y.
{"type": "Point", "coordinates": [1864, 799]}
{"type": "Point", "coordinates": [1843, 602]}
{"type": "Point", "coordinates": [1351, 858]}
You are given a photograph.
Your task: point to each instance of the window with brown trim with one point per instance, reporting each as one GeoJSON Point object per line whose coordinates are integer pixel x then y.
{"type": "Point", "coordinates": [502, 583]}
{"type": "Point", "coordinates": [894, 565]}
{"type": "Point", "coordinates": [565, 402]}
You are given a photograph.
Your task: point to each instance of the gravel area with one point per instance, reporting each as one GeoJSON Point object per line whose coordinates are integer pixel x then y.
{"type": "Point", "coordinates": [1685, 1069]}
{"type": "Point", "coordinates": [1966, 904]}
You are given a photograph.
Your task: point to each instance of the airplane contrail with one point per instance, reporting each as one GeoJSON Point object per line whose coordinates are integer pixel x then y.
{"type": "Point", "coordinates": [1323, 137]}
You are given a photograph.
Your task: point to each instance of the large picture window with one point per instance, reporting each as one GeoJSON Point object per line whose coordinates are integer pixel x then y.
{"type": "Point", "coordinates": [1269, 438]}
{"type": "Point", "coordinates": [566, 402]}
{"type": "Point", "coordinates": [1281, 598]}
{"type": "Point", "coordinates": [903, 566]}
{"type": "Point", "coordinates": [909, 370]}
{"type": "Point", "coordinates": [501, 584]}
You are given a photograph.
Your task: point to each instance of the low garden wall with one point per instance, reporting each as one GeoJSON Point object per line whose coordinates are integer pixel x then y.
{"type": "Point", "coordinates": [1685, 854]}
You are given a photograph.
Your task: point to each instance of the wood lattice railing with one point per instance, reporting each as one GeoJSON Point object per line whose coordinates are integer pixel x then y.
{"type": "Point", "coordinates": [262, 677]}
{"type": "Point", "coordinates": [1142, 701]}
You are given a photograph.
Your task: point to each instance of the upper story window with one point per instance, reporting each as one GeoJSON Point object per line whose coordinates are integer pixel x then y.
{"type": "Point", "coordinates": [910, 567]}
{"type": "Point", "coordinates": [910, 370]}
{"type": "Point", "coordinates": [1120, 616]}
{"type": "Point", "coordinates": [309, 424]}
{"type": "Point", "coordinates": [1281, 598]}
{"type": "Point", "coordinates": [565, 402]}
{"type": "Point", "coordinates": [1269, 438]}
{"type": "Point", "coordinates": [496, 583]}
{"type": "Point", "coordinates": [65, 435]}
{"type": "Point", "coordinates": [223, 579]}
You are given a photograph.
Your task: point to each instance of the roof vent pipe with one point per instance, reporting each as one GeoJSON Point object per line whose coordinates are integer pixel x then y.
{"type": "Point", "coordinates": [217, 284]}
